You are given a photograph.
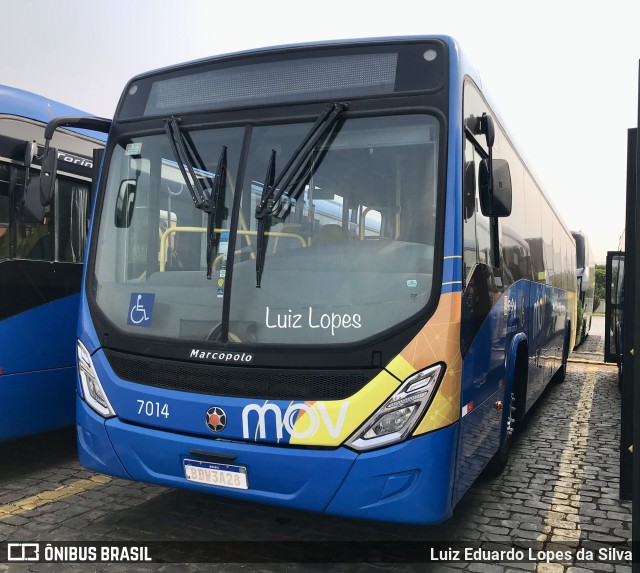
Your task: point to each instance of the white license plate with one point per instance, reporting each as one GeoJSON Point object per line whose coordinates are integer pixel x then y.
{"type": "Point", "coordinates": [210, 473]}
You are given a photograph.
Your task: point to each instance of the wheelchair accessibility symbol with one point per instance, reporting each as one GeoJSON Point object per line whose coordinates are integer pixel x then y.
{"type": "Point", "coordinates": [141, 309]}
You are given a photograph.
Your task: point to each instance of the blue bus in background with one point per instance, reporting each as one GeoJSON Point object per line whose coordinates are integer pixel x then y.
{"type": "Point", "coordinates": [339, 290]}
{"type": "Point", "coordinates": [41, 254]}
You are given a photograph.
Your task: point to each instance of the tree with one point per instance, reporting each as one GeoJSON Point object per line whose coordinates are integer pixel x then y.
{"type": "Point", "coordinates": [599, 292]}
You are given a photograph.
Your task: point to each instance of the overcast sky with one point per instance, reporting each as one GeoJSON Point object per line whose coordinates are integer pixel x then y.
{"type": "Point", "coordinates": [562, 74]}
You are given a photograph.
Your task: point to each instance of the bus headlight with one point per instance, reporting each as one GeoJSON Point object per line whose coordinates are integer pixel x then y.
{"type": "Point", "coordinates": [399, 415]}
{"type": "Point", "coordinates": [92, 390]}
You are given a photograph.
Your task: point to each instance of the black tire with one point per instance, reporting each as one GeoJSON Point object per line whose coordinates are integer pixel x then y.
{"type": "Point", "coordinates": [500, 459]}
{"type": "Point", "coordinates": [561, 374]}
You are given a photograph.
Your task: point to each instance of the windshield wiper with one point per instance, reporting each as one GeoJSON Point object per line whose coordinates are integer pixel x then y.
{"type": "Point", "coordinates": [261, 239]}
{"type": "Point", "coordinates": [214, 213]}
{"type": "Point", "coordinates": [208, 203]}
{"type": "Point", "coordinates": [198, 194]}
{"type": "Point", "coordinates": [280, 195]}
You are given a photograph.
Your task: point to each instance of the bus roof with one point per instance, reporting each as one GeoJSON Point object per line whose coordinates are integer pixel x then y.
{"type": "Point", "coordinates": [22, 103]}
{"type": "Point", "coordinates": [297, 46]}
{"type": "Point", "coordinates": [14, 101]}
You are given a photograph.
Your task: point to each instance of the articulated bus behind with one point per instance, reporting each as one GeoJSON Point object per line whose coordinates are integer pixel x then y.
{"type": "Point", "coordinates": [41, 255]}
{"type": "Point", "coordinates": [339, 290]}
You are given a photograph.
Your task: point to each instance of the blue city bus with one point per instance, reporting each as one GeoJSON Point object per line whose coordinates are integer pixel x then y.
{"type": "Point", "coordinates": [41, 258]}
{"type": "Point", "coordinates": [319, 276]}
{"type": "Point", "coordinates": [586, 276]}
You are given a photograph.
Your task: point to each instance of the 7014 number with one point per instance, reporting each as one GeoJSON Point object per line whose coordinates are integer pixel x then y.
{"type": "Point", "coordinates": [153, 409]}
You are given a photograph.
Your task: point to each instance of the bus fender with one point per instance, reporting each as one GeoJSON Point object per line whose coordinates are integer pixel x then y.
{"type": "Point", "coordinates": [510, 359]}
{"type": "Point", "coordinates": [510, 375]}
{"type": "Point", "coordinates": [500, 458]}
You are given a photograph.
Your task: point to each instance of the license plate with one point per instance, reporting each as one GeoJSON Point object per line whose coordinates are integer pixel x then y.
{"type": "Point", "coordinates": [210, 473]}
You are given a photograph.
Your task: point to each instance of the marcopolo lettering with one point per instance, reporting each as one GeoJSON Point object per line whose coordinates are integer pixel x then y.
{"type": "Point", "coordinates": [272, 413]}
{"type": "Point", "coordinates": [215, 356]}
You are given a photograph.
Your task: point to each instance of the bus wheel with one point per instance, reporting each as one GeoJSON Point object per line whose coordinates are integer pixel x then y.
{"type": "Point", "coordinates": [561, 373]}
{"type": "Point", "coordinates": [499, 460]}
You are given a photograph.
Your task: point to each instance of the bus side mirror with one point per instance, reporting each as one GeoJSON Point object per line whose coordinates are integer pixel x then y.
{"type": "Point", "coordinates": [125, 203]}
{"type": "Point", "coordinates": [469, 190]}
{"type": "Point", "coordinates": [495, 188]}
{"type": "Point", "coordinates": [489, 129]}
{"type": "Point", "coordinates": [50, 154]}
{"type": "Point", "coordinates": [485, 125]}
{"type": "Point", "coordinates": [48, 174]}
{"type": "Point", "coordinates": [32, 210]}
{"type": "Point", "coordinates": [30, 152]}
{"type": "Point", "coordinates": [584, 285]}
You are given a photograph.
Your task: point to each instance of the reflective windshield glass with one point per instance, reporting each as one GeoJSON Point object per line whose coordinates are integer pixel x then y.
{"type": "Point", "coordinates": [152, 241]}
{"type": "Point", "coordinates": [353, 257]}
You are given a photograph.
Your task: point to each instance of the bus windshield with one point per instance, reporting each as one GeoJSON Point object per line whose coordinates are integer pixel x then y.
{"type": "Point", "coordinates": [352, 258]}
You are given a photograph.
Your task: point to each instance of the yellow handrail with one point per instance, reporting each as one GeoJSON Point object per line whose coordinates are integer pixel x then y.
{"type": "Point", "coordinates": [164, 238]}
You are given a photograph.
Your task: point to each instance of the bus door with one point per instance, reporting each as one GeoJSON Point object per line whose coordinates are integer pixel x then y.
{"type": "Point", "coordinates": [614, 307]}
{"type": "Point", "coordinates": [480, 331]}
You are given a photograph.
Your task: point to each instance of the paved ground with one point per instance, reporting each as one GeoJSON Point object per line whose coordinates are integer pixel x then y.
{"type": "Point", "coordinates": [558, 493]}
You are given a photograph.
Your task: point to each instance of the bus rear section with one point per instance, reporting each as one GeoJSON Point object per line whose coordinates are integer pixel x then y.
{"type": "Point", "coordinates": [276, 300]}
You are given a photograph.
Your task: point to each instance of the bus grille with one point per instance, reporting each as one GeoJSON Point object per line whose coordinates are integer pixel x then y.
{"type": "Point", "coordinates": [239, 382]}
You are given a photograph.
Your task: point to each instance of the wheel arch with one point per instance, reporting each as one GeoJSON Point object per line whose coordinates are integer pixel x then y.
{"type": "Point", "coordinates": [516, 377]}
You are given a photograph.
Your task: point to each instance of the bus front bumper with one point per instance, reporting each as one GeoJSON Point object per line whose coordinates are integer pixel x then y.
{"type": "Point", "coordinates": [410, 482]}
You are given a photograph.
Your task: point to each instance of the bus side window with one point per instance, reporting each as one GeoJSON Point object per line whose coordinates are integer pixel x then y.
{"type": "Point", "coordinates": [62, 233]}
{"type": "Point", "coordinates": [477, 228]}
{"type": "Point", "coordinates": [34, 241]}
{"type": "Point", "coordinates": [4, 212]}
{"type": "Point", "coordinates": [469, 186]}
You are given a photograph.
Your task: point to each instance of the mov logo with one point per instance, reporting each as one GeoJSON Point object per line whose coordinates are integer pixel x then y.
{"type": "Point", "coordinates": [271, 415]}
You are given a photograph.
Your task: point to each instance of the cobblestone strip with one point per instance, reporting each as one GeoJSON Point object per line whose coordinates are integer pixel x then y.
{"type": "Point", "coordinates": [560, 524]}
